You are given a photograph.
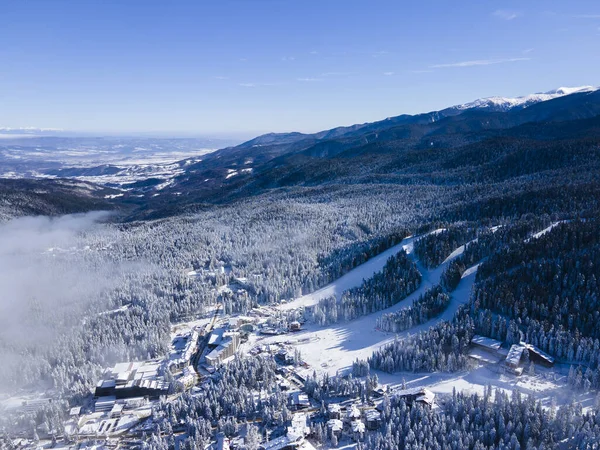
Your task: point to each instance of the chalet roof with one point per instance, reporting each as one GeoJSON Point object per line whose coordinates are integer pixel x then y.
{"type": "Point", "coordinates": [372, 414]}
{"type": "Point", "coordinates": [538, 351]}
{"type": "Point", "coordinates": [282, 442]}
{"type": "Point", "coordinates": [335, 424]}
{"type": "Point", "coordinates": [299, 425]}
{"type": "Point", "coordinates": [419, 394]}
{"type": "Point", "coordinates": [353, 412]}
{"type": "Point", "coordinates": [334, 407]}
{"type": "Point", "coordinates": [514, 354]}
{"type": "Point", "coordinates": [358, 427]}
{"type": "Point", "coordinates": [299, 398]}
{"type": "Point", "coordinates": [486, 342]}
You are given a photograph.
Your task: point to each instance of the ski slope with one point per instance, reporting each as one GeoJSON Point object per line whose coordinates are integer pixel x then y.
{"type": "Point", "coordinates": [355, 277]}
{"type": "Point", "coordinates": [545, 230]}
{"type": "Point", "coordinates": [334, 348]}
{"type": "Point", "coordinates": [350, 280]}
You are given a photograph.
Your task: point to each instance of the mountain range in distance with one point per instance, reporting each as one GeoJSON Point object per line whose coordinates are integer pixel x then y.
{"type": "Point", "coordinates": [478, 142]}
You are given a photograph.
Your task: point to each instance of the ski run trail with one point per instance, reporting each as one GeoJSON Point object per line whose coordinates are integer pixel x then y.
{"type": "Point", "coordinates": [335, 347]}
{"type": "Point", "coordinates": [332, 349]}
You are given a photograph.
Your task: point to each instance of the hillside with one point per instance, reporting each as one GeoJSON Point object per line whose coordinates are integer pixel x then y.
{"type": "Point", "coordinates": [523, 145]}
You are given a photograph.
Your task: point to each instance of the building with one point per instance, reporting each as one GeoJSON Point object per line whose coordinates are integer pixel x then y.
{"type": "Point", "coordinates": [335, 427]}
{"type": "Point", "coordinates": [334, 411]}
{"type": "Point", "coordinates": [294, 326]}
{"type": "Point", "coordinates": [486, 343]}
{"type": "Point", "coordinates": [373, 419]}
{"type": "Point", "coordinates": [222, 442]}
{"type": "Point", "coordinates": [299, 400]}
{"type": "Point", "coordinates": [353, 413]}
{"type": "Point", "coordinates": [286, 442]}
{"type": "Point", "coordinates": [294, 439]}
{"type": "Point", "coordinates": [105, 404]}
{"type": "Point", "coordinates": [116, 410]}
{"type": "Point", "coordinates": [183, 348]}
{"type": "Point", "coordinates": [132, 379]}
{"type": "Point", "coordinates": [358, 430]}
{"type": "Point", "coordinates": [538, 356]}
{"type": "Point", "coordinates": [299, 425]}
{"type": "Point", "coordinates": [410, 396]}
{"type": "Point", "coordinates": [284, 356]}
{"type": "Point", "coordinates": [223, 345]}
{"type": "Point", "coordinates": [513, 359]}
{"type": "Point", "coordinates": [188, 379]}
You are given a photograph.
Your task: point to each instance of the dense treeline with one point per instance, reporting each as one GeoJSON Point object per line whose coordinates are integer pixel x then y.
{"type": "Point", "coordinates": [435, 247]}
{"type": "Point", "coordinates": [545, 288]}
{"type": "Point", "coordinates": [276, 250]}
{"type": "Point", "coordinates": [430, 304]}
{"type": "Point", "coordinates": [489, 241]}
{"type": "Point", "coordinates": [341, 261]}
{"type": "Point", "coordinates": [326, 387]}
{"type": "Point", "coordinates": [398, 279]}
{"type": "Point", "coordinates": [246, 387]}
{"type": "Point", "coordinates": [495, 420]}
{"type": "Point", "coordinates": [441, 348]}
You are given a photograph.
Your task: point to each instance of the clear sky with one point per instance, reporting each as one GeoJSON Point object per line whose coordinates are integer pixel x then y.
{"type": "Point", "coordinates": [219, 66]}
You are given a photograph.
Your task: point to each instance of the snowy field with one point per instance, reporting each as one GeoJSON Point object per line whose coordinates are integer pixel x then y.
{"type": "Point", "coordinates": [333, 349]}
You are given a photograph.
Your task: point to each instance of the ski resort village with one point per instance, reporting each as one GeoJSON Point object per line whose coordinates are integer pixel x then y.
{"type": "Point", "coordinates": [314, 383]}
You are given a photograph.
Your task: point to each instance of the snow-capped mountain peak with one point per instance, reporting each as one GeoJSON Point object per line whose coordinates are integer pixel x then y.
{"type": "Point", "coordinates": [507, 103]}
{"type": "Point", "coordinates": [571, 90]}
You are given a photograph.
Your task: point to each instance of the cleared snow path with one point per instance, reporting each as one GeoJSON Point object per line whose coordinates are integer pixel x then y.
{"type": "Point", "coordinates": [336, 347]}
{"type": "Point", "coordinates": [545, 230]}
{"type": "Point", "coordinates": [356, 276]}
{"type": "Point", "coordinates": [352, 279]}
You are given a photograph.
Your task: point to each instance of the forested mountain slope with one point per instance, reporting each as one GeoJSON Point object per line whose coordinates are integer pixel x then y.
{"type": "Point", "coordinates": [512, 152]}
{"type": "Point", "coordinates": [20, 197]}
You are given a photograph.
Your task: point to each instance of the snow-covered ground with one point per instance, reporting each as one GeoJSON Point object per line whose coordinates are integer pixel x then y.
{"type": "Point", "coordinates": [549, 386]}
{"type": "Point", "coordinates": [352, 279]}
{"type": "Point", "coordinates": [545, 230]}
{"type": "Point", "coordinates": [110, 160]}
{"type": "Point", "coordinates": [355, 277]}
{"type": "Point", "coordinates": [334, 348]}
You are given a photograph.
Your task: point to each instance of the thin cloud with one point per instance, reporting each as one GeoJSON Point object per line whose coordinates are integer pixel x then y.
{"type": "Point", "coordinates": [587, 16]}
{"type": "Point", "coordinates": [505, 14]}
{"type": "Point", "coordinates": [421, 71]}
{"type": "Point", "coordinates": [477, 62]}
{"type": "Point", "coordinates": [314, 52]}
{"type": "Point", "coordinates": [336, 74]}
{"type": "Point", "coordinates": [380, 53]}
{"type": "Point", "coordinates": [221, 78]}
{"type": "Point", "coordinates": [308, 79]}
{"type": "Point", "coordinates": [528, 50]}
{"type": "Point", "coordinates": [387, 74]}
{"type": "Point", "coordinates": [288, 58]}
{"type": "Point", "coordinates": [253, 85]}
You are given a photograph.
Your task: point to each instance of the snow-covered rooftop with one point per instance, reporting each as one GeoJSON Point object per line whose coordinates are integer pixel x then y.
{"type": "Point", "coordinates": [486, 342]}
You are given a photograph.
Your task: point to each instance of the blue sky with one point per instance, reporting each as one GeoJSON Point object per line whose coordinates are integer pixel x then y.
{"type": "Point", "coordinates": [251, 66]}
